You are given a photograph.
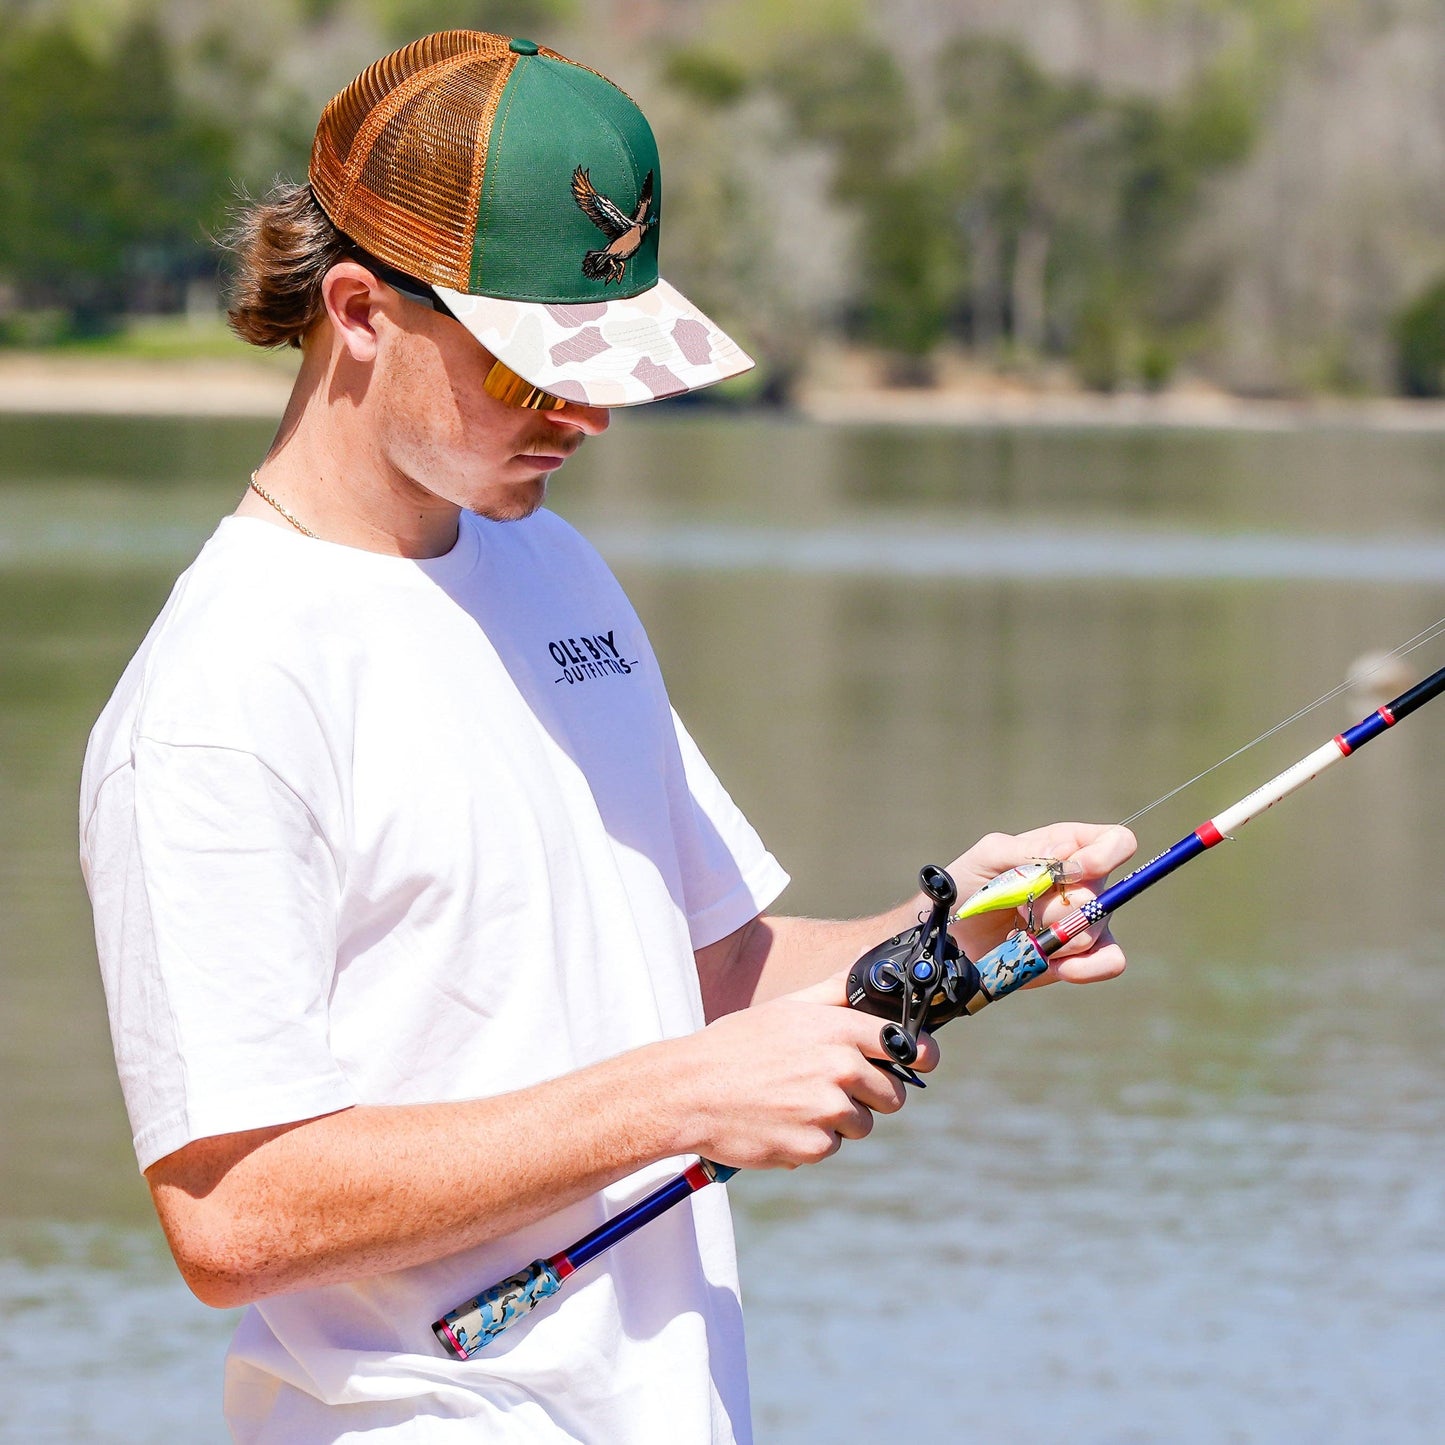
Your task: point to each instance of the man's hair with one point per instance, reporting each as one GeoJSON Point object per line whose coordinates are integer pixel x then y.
{"type": "Point", "coordinates": [282, 247]}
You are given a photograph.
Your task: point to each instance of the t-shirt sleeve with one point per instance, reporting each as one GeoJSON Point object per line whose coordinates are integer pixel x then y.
{"type": "Point", "coordinates": [219, 951]}
{"type": "Point", "coordinates": [729, 877]}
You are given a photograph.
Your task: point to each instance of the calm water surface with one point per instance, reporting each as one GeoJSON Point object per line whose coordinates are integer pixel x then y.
{"type": "Point", "coordinates": [1205, 1203]}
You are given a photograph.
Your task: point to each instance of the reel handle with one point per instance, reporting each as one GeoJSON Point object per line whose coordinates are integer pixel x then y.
{"type": "Point", "coordinates": [918, 979]}
{"type": "Point", "coordinates": [938, 886]}
{"type": "Point", "coordinates": [901, 1046]}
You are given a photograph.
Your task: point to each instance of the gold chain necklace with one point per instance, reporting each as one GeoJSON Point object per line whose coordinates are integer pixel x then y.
{"type": "Point", "coordinates": [266, 496]}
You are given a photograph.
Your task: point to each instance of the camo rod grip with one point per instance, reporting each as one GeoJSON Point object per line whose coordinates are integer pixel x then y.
{"type": "Point", "coordinates": [1015, 962]}
{"type": "Point", "coordinates": [474, 1325]}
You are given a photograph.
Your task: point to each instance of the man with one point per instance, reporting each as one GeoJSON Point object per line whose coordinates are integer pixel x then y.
{"type": "Point", "coordinates": [429, 939]}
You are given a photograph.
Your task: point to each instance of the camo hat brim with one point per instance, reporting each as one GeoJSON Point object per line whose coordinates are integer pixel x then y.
{"type": "Point", "coordinates": [604, 353]}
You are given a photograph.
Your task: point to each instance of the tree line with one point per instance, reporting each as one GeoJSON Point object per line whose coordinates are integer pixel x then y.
{"type": "Point", "coordinates": [978, 199]}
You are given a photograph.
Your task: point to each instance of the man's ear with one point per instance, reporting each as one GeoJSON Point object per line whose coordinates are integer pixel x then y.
{"type": "Point", "coordinates": [352, 296]}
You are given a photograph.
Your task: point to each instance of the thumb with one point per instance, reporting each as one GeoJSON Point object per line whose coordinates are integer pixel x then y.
{"type": "Point", "coordinates": [831, 990]}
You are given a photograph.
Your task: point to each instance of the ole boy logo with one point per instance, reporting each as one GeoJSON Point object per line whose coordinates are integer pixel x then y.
{"type": "Point", "coordinates": [591, 655]}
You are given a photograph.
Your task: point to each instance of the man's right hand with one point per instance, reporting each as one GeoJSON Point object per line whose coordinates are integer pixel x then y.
{"type": "Point", "coordinates": [784, 1083]}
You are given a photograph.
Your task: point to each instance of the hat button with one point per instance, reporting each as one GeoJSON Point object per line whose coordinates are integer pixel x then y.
{"type": "Point", "coordinates": [523, 47]}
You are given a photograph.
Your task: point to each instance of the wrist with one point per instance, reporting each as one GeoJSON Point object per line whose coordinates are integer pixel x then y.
{"type": "Point", "coordinates": [677, 1095]}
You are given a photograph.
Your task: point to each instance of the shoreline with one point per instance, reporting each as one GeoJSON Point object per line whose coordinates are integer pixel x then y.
{"type": "Point", "coordinates": [71, 385]}
{"type": "Point", "coordinates": [983, 408]}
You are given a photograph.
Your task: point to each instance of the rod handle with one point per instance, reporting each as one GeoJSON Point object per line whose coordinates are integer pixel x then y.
{"type": "Point", "coordinates": [474, 1325]}
{"type": "Point", "coordinates": [1015, 962]}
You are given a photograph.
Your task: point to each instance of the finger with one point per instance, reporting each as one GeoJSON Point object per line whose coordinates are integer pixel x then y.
{"type": "Point", "coordinates": [996, 853]}
{"type": "Point", "coordinates": [875, 1088]}
{"type": "Point", "coordinates": [857, 1123]}
{"type": "Point", "coordinates": [1106, 961]}
{"type": "Point", "coordinates": [813, 1147]}
{"type": "Point", "coordinates": [1056, 907]}
{"type": "Point", "coordinates": [928, 1054]}
{"type": "Point", "coordinates": [1107, 850]}
{"type": "Point", "coordinates": [1096, 847]}
{"type": "Point", "coordinates": [1090, 938]}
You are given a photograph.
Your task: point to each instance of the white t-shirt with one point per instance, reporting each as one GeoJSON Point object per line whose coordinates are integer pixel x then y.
{"type": "Point", "coordinates": [359, 829]}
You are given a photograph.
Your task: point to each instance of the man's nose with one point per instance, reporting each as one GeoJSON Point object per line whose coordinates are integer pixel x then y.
{"type": "Point", "coordinates": [589, 420]}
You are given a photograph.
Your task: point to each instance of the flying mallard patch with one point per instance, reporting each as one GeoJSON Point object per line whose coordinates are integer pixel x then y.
{"type": "Point", "coordinates": [623, 231]}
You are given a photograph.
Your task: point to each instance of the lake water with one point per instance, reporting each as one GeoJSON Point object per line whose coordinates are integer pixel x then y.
{"type": "Point", "coordinates": [1203, 1203]}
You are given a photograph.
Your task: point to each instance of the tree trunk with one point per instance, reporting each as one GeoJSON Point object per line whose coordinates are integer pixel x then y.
{"type": "Point", "coordinates": [1030, 300]}
{"type": "Point", "coordinates": [985, 275]}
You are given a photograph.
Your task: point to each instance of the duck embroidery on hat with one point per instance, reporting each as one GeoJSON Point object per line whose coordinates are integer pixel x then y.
{"type": "Point", "coordinates": [625, 232]}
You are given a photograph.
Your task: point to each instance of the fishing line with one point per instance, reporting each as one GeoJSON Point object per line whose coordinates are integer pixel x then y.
{"type": "Point", "coordinates": [1406, 647]}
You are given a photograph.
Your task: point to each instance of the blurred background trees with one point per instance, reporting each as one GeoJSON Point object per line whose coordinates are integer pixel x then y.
{"type": "Point", "coordinates": [1121, 191]}
{"type": "Point", "coordinates": [106, 176]}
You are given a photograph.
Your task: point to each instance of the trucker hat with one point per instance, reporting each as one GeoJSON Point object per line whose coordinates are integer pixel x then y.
{"type": "Point", "coordinates": [525, 190]}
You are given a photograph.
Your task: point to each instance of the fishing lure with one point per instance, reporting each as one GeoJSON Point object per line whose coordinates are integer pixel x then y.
{"type": "Point", "coordinates": [1021, 887]}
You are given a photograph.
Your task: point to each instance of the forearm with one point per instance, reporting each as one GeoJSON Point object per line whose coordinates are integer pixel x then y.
{"type": "Point", "coordinates": [379, 1188]}
{"type": "Point", "coordinates": [373, 1189]}
{"type": "Point", "coordinates": [775, 956]}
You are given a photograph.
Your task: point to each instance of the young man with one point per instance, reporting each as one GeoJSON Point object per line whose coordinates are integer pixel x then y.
{"type": "Point", "coordinates": [429, 939]}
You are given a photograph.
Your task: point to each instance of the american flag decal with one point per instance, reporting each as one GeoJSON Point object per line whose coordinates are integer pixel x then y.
{"type": "Point", "coordinates": [1092, 911]}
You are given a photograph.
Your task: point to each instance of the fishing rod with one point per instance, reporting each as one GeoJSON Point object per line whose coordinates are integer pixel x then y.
{"type": "Point", "coordinates": [919, 980]}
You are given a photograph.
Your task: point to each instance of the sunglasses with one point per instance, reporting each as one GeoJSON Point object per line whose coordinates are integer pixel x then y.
{"type": "Point", "coordinates": [501, 382]}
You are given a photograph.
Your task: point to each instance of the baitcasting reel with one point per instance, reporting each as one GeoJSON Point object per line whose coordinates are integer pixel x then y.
{"type": "Point", "coordinates": [919, 979]}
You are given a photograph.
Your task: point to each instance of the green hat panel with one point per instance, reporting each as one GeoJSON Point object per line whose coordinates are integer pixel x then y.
{"type": "Point", "coordinates": [561, 216]}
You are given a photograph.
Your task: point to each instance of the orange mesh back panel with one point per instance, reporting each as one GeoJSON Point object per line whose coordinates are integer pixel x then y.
{"type": "Point", "coordinates": [398, 158]}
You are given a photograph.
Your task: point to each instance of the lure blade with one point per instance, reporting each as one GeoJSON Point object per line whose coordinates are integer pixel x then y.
{"type": "Point", "coordinates": [1019, 887]}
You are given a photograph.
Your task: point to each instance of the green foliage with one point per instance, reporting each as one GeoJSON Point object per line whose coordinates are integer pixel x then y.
{"type": "Point", "coordinates": [1419, 335]}
{"type": "Point", "coordinates": [403, 20]}
{"type": "Point", "coordinates": [34, 330]}
{"type": "Point", "coordinates": [909, 269]}
{"type": "Point", "coordinates": [710, 77]}
{"type": "Point", "coordinates": [1217, 122]}
{"type": "Point", "coordinates": [1002, 111]}
{"type": "Point", "coordinates": [1043, 170]}
{"type": "Point", "coordinates": [1040, 211]}
{"type": "Point", "coordinates": [1032, 213]}
{"type": "Point", "coordinates": [763, 30]}
{"type": "Point", "coordinates": [142, 338]}
{"type": "Point", "coordinates": [850, 94]}
{"type": "Point", "coordinates": [1098, 349]}
{"type": "Point", "coordinates": [1156, 365]}
{"type": "Point", "coordinates": [106, 181]}
{"type": "Point", "coordinates": [1061, 204]}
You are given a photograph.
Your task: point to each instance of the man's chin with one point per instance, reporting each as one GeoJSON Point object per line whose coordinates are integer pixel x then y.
{"type": "Point", "coordinates": [514, 503]}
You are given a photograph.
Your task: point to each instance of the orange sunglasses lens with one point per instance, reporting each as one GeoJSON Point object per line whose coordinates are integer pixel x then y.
{"type": "Point", "coordinates": [506, 386]}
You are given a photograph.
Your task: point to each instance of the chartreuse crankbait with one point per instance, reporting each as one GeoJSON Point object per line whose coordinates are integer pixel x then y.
{"type": "Point", "coordinates": [1020, 887]}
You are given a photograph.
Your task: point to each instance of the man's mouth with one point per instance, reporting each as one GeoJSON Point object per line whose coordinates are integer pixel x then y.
{"type": "Point", "coordinates": [551, 453]}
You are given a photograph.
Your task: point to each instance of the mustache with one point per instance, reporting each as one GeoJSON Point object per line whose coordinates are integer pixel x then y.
{"type": "Point", "coordinates": [555, 444]}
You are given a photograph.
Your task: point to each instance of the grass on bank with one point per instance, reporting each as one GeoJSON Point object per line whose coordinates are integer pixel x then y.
{"type": "Point", "coordinates": [184, 337]}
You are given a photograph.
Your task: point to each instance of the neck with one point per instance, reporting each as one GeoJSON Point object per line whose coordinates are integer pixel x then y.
{"type": "Point", "coordinates": [325, 468]}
